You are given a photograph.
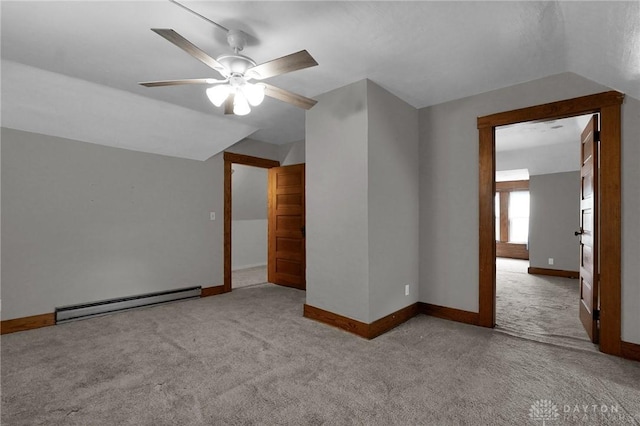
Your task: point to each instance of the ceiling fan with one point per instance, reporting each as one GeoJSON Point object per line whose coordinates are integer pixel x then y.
{"type": "Point", "coordinates": [235, 90]}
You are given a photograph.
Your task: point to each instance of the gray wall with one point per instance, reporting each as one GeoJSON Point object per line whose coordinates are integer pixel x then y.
{"type": "Point", "coordinates": [554, 217]}
{"type": "Point", "coordinates": [449, 191]}
{"type": "Point", "coordinates": [393, 202]}
{"type": "Point", "coordinates": [337, 212]}
{"type": "Point", "coordinates": [83, 222]}
{"type": "Point", "coordinates": [292, 153]}
{"type": "Point", "coordinates": [362, 202]}
{"type": "Point", "coordinates": [249, 216]}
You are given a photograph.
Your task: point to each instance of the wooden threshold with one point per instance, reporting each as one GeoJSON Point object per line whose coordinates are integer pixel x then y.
{"type": "Point", "coordinates": [451, 314]}
{"type": "Point", "coordinates": [368, 331]}
{"type": "Point", "coordinates": [27, 323]}
{"type": "Point", "coordinates": [212, 291]}
{"type": "Point", "coordinates": [553, 272]}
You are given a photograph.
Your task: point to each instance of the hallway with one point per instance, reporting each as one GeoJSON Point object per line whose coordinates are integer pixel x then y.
{"type": "Point", "coordinates": [537, 307]}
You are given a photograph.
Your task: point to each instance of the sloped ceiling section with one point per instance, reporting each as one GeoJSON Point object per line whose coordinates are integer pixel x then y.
{"type": "Point", "coordinates": [424, 52]}
{"type": "Point", "coordinates": [44, 102]}
{"type": "Point", "coordinates": [603, 42]}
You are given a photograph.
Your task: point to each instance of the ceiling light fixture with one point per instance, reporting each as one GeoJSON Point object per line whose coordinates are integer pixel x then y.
{"type": "Point", "coordinates": [242, 92]}
{"type": "Point", "coordinates": [235, 91]}
{"type": "Point", "coordinates": [236, 87]}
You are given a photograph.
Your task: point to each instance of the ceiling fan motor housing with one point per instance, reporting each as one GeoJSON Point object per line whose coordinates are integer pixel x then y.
{"type": "Point", "coordinates": [236, 64]}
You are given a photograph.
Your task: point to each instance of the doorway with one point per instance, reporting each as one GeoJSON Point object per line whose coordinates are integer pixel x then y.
{"type": "Point", "coordinates": [248, 226]}
{"type": "Point", "coordinates": [286, 252]}
{"type": "Point", "coordinates": [229, 160]}
{"type": "Point", "coordinates": [538, 182]}
{"type": "Point", "coordinates": [608, 105]}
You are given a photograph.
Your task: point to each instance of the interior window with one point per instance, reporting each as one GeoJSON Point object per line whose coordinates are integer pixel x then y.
{"type": "Point", "coordinates": [519, 217]}
{"type": "Point", "coordinates": [497, 210]}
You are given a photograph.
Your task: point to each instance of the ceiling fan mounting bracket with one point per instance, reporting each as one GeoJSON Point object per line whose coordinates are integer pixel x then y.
{"type": "Point", "coordinates": [237, 40]}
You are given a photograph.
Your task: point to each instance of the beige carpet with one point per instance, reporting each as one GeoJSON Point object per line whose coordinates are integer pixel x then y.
{"type": "Point", "coordinates": [249, 358]}
{"type": "Point", "coordinates": [538, 307]}
{"type": "Point", "coordinates": [248, 277]}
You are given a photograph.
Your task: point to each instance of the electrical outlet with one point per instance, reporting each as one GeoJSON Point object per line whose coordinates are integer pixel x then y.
{"type": "Point", "coordinates": [551, 261]}
{"type": "Point", "coordinates": [212, 216]}
{"type": "Point", "coordinates": [406, 290]}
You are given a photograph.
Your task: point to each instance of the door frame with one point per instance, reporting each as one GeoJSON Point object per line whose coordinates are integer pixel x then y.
{"type": "Point", "coordinates": [231, 158]}
{"type": "Point", "coordinates": [608, 105]}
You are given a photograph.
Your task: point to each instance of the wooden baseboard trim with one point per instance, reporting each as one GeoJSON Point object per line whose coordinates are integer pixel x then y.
{"type": "Point", "coordinates": [451, 314]}
{"type": "Point", "coordinates": [512, 250]}
{"type": "Point", "coordinates": [393, 320]}
{"type": "Point", "coordinates": [27, 323]}
{"type": "Point", "coordinates": [368, 331]}
{"type": "Point", "coordinates": [212, 291]}
{"type": "Point", "coordinates": [630, 350]}
{"type": "Point", "coordinates": [553, 272]}
{"type": "Point", "coordinates": [336, 320]}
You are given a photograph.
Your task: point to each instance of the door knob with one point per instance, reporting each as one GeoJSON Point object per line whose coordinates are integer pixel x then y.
{"type": "Point", "coordinates": [580, 232]}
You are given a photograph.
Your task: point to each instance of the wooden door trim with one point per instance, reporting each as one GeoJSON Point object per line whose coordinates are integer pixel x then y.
{"type": "Point", "coordinates": [608, 105]}
{"type": "Point", "coordinates": [246, 160]}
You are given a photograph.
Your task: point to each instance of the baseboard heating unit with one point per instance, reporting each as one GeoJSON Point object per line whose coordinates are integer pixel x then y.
{"type": "Point", "coordinates": [89, 310]}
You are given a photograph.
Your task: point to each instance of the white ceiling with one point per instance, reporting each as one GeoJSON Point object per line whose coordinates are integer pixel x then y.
{"type": "Point", "coordinates": [424, 52]}
{"type": "Point", "coordinates": [539, 147]}
{"type": "Point", "coordinates": [541, 133]}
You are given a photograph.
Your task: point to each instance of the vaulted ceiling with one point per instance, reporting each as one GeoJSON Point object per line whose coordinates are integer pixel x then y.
{"type": "Point", "coordinates": [71, 68]}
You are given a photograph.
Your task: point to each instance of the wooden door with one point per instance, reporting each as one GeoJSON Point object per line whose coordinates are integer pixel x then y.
{"type": "Point", "coordinates": [287, 260]}
{"type": "Point", "coordinates": [589, 276]}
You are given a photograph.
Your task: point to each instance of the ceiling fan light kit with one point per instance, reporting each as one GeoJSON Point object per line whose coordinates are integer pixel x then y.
{"type": "Point", "coordinates": [235, 91]}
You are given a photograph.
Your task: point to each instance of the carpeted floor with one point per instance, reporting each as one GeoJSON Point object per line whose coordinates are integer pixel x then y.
{"type": "Point", "coordinates": [249, 357]}
{"type": "Point", "coordinates": [538, 307]}
{"type": "Point", "coordinates": [248, 277]}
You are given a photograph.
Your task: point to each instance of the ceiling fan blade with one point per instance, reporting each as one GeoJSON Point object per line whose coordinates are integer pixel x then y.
{"type": "Point", "coordinates": [228, 104]}
{"type": "Point", "coordinates": [287, 96]}
{"type": "Point", "coordinates": [179, 82]}
{"type": "Point", "coordinates": [283, 65]}
{"type": "Point", "coordinates": [191, 49]}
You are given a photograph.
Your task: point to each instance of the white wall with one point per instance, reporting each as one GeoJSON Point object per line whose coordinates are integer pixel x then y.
{"type": "Point", "coordinates": [393, 202]}
{"type": "Point", "coordinates": [449, 191]}
{"type": "Point", "coordinates": [554, 217]}
{"type": "Point", "coordinates": [249, 243]}
{"type": "Point", "coordinates": [249, 217]}
{"type": "Point", "coordinates": [337, 212]}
